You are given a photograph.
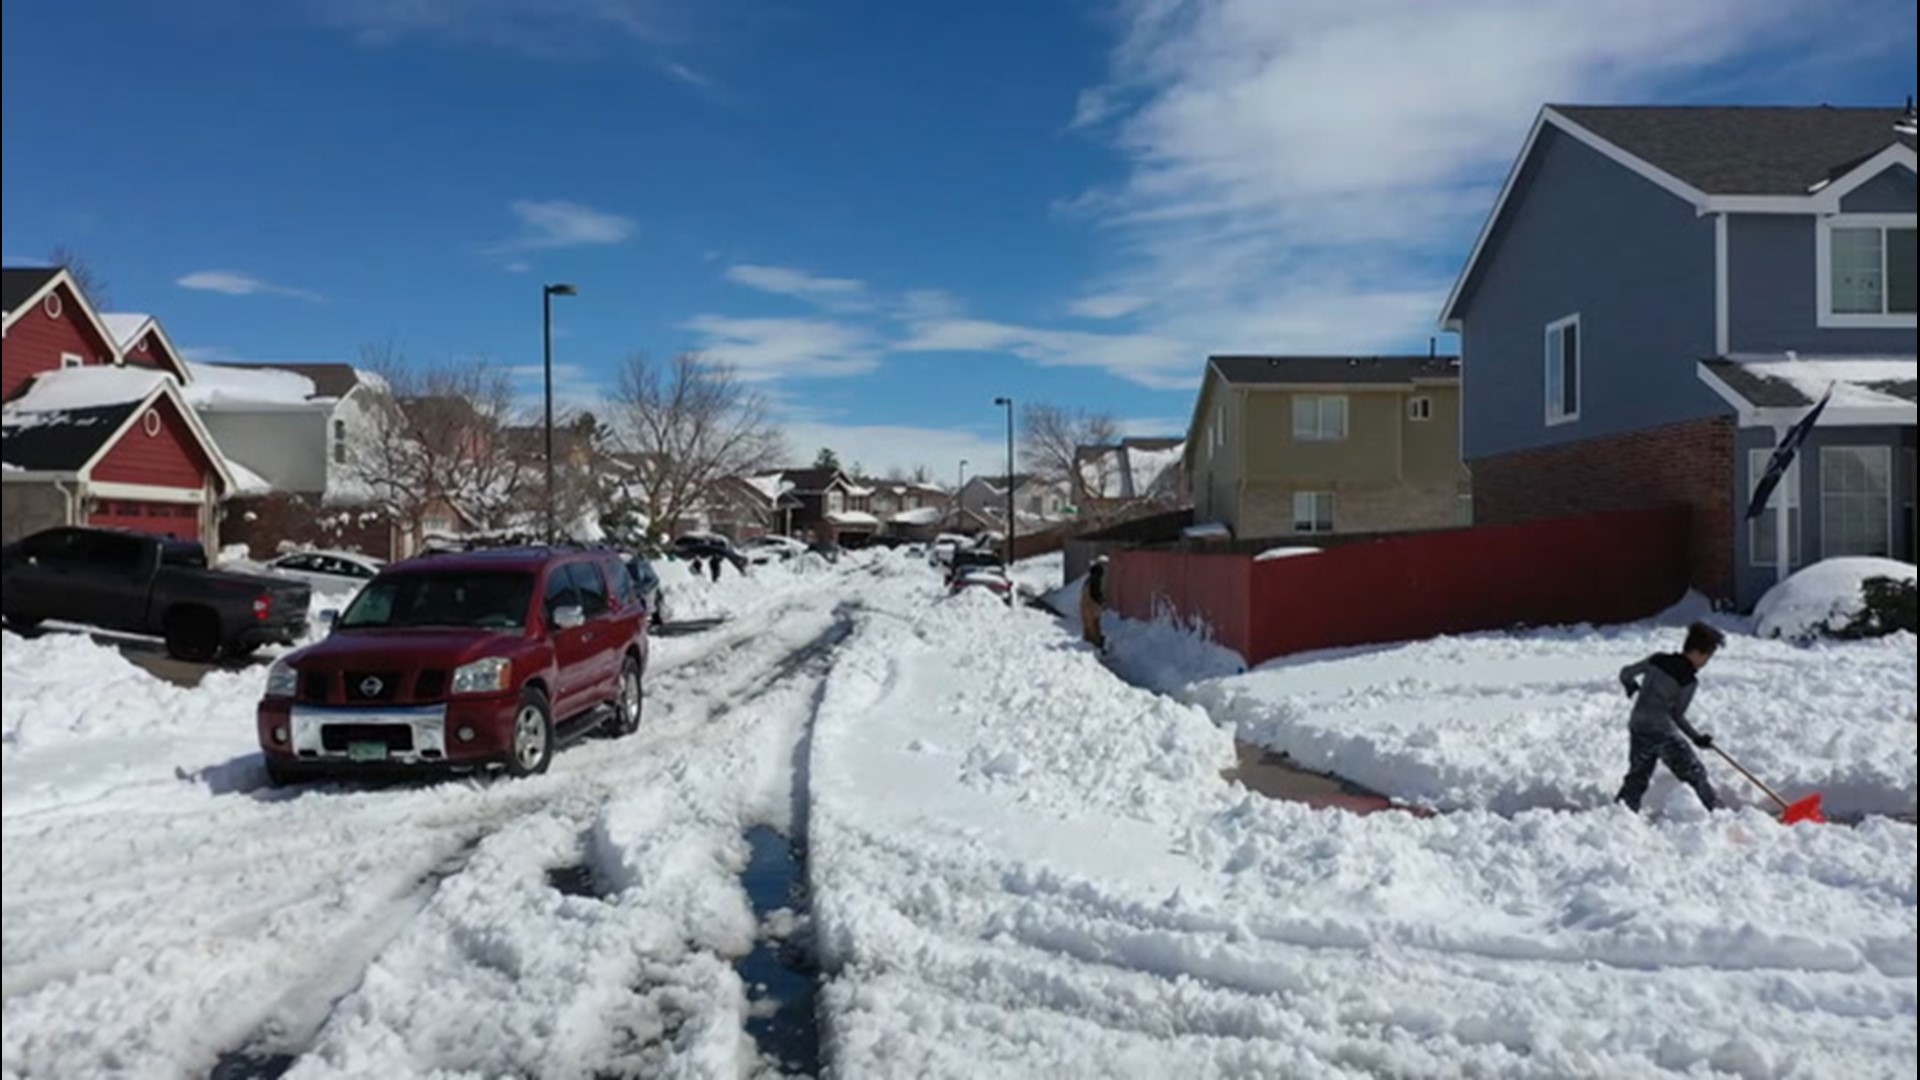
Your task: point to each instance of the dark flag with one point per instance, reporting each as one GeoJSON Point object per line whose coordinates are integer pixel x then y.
{"type": "Point", "coordinates": [1783, 457]}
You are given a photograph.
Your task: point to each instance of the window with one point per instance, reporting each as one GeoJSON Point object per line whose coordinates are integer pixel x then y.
{"type": "Point", "coordinates": [1763, 532]}
{"type": "Point", "coordinates": [339, 442]}
{"type": "Point", "coordinates": [836, 502]}
{"type": "Point", "coordinates": [1313, 511]}
{"type": "Point", "coordinates": [1420, 408]}
{"type": "Point", "coordinates": [1319, 417]}
{"type": "Point", "coordinates": [1856, 500]}
{"type": "Point", "coordinates": [561, 591]}
{"type": "Point", "coordinates": [71, 360]}
{"type": "Point", "coordinates": [1866, 268]}
{"type": "Point", "coordinates": [1463, 511]}
{"type": "Point", "coordinates": [1563, 370]}
{"type": "Point", "coordinates": [1219, 426]}
{"type": "Point", "coordinates": [591, 587]}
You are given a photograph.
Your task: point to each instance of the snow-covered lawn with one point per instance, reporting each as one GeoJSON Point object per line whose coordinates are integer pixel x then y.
{"type": "Point", "coordinates": [1538, 719]}
{"type": "Point", "coordinates": [1018, 865]}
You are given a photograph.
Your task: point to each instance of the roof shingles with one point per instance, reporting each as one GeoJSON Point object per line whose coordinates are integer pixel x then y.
{"type": "Point", "coordinates": [1745, 150]}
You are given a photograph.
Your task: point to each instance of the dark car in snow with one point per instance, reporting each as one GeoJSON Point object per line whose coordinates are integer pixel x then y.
{"type": "Point", "coordinates": [476, 660]}
{"type": "Point", "coordinates": [139, 583]}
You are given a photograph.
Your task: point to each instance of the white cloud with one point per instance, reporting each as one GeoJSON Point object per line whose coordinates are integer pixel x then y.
{"type": "Point", "coordinates": [236, 284]}
{"type": "Point", "coordinates": [840, 293]}
{"type": "Point", "coordinates": [1107, 305]}
{"type": "Point", "coordinates": [762, 349]}
{"type": "Point", "coordinates": [557, 223]}
{"type": "Point", "coordinates": [879, 448]}
{"type": "Point", "coordinates": [550, 29]}
{"type": "Point", "coordinates": [1307, 176]}
{"type": "Point", "coordinates": [1158, 362]}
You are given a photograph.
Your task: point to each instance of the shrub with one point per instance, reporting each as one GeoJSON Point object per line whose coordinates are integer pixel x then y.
{"type": "Point", "coordinates": [1888, 607]}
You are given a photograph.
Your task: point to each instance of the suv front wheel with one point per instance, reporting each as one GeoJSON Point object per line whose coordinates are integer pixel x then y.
{"type": "Point", "coordinates": [532, 735]}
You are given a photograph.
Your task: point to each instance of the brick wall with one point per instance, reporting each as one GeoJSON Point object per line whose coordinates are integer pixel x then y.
{"type": "Point", "coordinates": [1688, 464]}
{"type": "Point", "coordinates": [264, 523]}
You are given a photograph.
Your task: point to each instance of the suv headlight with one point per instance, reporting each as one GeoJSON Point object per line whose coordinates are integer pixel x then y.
{"type": "Point", "coordinates": [488, 676]}
{"type": "Point", "coordinates": [282, 680]}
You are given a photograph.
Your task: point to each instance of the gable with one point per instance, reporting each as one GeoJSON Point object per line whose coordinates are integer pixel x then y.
{"type": "Point", "coordinates": [158, 446]}
{"type": "Point", "coordinates": [56, 323]}
{"type": "Point", "coordinates": [1890, 191]}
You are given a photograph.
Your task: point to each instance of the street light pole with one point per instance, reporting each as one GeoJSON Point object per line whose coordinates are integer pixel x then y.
{"type": "Point", "coordinates": [1006, 551]}
{"type": "Point", "coordinates": [547, 294]}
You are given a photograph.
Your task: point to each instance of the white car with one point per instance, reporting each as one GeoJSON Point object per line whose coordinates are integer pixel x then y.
{"type": "Point", "coordinates": [328, 570]}
{"type": "Point", "coordinates": [944, 545]}
{"type": "Point", "coordinates": [767, 549]}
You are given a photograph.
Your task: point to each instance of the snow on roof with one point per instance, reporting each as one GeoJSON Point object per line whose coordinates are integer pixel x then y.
{"type": "Point", "coordinates": [1149, 466]}
{"type": "Point", "coordinates": [772, 485]}
{"type": "Point", "coordinates": [219, 384]}
{"type": "Point", "coordinates": [125, 326]}
{"type": "Point", "coordinates": [1856, 381]}
{"type": "Point", "coordinates": [86, 388]}
{"type": "Point", "coordinates": [246, 481]}
{"type": "Point", "coordinates": [853, 517]}
{"type": "Point", "coordinates": [858, 491]}
{"type": "Point", "coordinates": [921, 515]}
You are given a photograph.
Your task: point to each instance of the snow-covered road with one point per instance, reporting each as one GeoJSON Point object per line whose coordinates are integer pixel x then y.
{"type": "Point", "coordinates": [166, 912]}
{"type": "Point", "coordinates": [1018, 865]}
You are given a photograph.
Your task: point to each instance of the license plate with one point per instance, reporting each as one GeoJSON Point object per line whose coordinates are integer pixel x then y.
{"type": "Point", "coordinates": [367, 751]}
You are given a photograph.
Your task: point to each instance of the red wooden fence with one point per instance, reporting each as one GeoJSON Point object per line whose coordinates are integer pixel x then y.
{"type": "Point", "coordinates": [1599, 568]}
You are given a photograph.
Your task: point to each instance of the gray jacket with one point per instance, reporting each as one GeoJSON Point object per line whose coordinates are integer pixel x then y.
{"type": "Point", "coordinates": [1661, 687]}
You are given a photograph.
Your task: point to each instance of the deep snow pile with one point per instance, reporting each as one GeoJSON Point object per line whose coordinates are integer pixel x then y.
{"type": "Point", "coordinates": [1538, 719]}
{"type": "Point", "coordinates": [1822, 598]}
{"type": "Point", "coordinates": [1024, 867]}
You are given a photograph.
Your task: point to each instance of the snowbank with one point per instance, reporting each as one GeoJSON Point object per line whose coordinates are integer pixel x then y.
{"type": "Point", "coordinates": [1022, 867]}
{"type": "Point", "coordinates": [1823, 597]}
{"type": "Point", "coordinates": [1508, 722]}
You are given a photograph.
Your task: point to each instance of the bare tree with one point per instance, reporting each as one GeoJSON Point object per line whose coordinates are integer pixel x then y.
{"type": "Point", "coordinates": [439, 439]}
{"type": "Point", "coordinates": [1050, 440]}
{"type": "Point", "coordinates": [690, 422]}
{"type": "Point", "coordinates": [83, 274]}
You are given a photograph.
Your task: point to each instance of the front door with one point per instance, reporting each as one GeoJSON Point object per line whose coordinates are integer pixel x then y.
{"type": "Point", "coordinates": [602, 661]}
{"type": "Point", "coordinates": [572, 645]}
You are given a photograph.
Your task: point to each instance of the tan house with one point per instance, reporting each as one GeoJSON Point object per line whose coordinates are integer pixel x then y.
{"type": "Point", "coordinates": [1283, 445]}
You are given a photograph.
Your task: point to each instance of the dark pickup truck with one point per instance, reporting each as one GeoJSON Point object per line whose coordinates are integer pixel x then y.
{"type": "Point", "coordinates": [144, 584]}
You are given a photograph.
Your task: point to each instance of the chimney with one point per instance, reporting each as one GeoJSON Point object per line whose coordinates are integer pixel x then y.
{"type": "Point", "coordinates": [1433, 348]}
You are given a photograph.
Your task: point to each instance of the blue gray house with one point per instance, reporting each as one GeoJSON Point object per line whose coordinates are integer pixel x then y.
{"type": "Point", "coordinates": [1659, 292]}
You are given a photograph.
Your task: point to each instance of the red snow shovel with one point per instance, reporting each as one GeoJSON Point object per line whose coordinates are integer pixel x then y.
{"type": "Point", "coordinates": [1791, 813]}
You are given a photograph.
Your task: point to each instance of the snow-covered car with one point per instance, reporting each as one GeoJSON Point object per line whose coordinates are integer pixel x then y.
{"type": "Point", "coordinates": [991, 578]}
{"type": "Point", "coordinates": [337, 570]}
{"type": "Point", "coordinates": [771, 549]}
{"type": "Point", "coordinates": [944, 545]}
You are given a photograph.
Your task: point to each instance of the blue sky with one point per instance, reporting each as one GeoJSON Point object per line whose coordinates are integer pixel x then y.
{"type": "Point", "coordinates": [884, 213]}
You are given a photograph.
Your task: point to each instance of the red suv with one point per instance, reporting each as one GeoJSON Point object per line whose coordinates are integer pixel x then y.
{"type": "Point", "coordinates": [464, 661]}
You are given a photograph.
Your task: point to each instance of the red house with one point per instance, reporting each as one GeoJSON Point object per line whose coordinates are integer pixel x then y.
{"type": "Point", "coordinates": [93, 429]}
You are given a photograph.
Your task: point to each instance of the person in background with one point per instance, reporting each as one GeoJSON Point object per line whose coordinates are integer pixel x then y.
{"type": "Point", "coordinates": [1662, 687]}
{"type": "Point", "coordinates": [1093, 599]}
{"type": "Point", "coordinates": [713, 567]}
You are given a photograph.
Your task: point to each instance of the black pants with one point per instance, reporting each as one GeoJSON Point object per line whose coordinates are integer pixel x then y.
{"type": "Point", "coordinates": [1645, 750]}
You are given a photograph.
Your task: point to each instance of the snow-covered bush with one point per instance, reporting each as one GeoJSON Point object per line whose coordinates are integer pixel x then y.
{"type": "Point", "coordinates": [1850, 598]}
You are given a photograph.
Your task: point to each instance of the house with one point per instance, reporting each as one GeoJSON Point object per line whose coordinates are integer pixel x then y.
{"type": "Point", "coordinates": [293, 426]}
{"type": "Point", "coordinates": [1659, 291]}
{"type": "Point", "coordinates": [1129, 477]}
{"type": "Point", "coordinates": [830, 507]}
{"type": "Point", "coordinates": [1281, 445]}
{"type": "Point", "coordinates": [95, 428]}
{"type": "Point", "coordinates": [745, 507]}
{"type": "Point", "coordinates": [907, 509]}
{"type": "Point", "coordinates": [1038, 503]}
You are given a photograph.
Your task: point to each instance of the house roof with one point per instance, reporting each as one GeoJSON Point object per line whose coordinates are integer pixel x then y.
{"type": "Point", "coordinates": [1333, 370]}
{"type": "Point", "coordinates": [19, 284]}
{"type": "Point", "coordinates": [329, 380]}
{"type": "Point", "coordinates": [1720, 159]}
{"type": "Point", "coordinates": [127, 328]}
{"type": "Point", "coordinates": [61, 441]}
{"type": "Point", "coordinates": [1745, 150]}
{"type": "Point", "coordinates": [807, 481]}
{"type": "Point", "coordinates": [1866, 390]}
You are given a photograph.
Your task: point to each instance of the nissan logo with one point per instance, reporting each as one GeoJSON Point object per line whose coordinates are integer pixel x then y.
{"type": "Point", "coordinates": [371, 686]}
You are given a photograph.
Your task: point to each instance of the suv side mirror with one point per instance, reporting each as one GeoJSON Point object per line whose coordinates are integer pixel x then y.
{"type": "Point", "coordinates": [329, 616]}
{"type": "Point", "coordinates": [568, 616]}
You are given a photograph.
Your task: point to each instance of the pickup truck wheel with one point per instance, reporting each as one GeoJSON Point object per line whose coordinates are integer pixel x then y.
{"type": "Point", "coordinates": [627, 702]}
{"type": "Point", "coordinates": [192, 635]}
{"type": "Point", "coordinates": [532, 735]}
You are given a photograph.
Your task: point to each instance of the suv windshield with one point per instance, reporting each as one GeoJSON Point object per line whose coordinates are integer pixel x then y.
{"type": "Point", "coordinates": [491, 600]}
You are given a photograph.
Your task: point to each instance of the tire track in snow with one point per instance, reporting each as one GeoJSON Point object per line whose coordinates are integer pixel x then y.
{"type": "Point", "coordinates": [718, 684]}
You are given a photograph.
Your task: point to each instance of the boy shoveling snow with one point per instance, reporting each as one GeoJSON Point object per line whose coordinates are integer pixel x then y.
{"type": "Point", "coordinates": [1662, 687]}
